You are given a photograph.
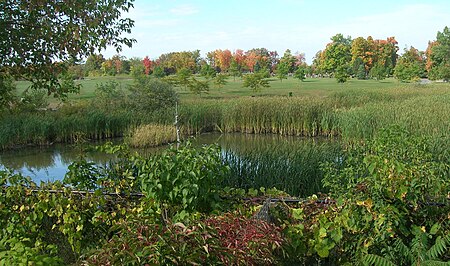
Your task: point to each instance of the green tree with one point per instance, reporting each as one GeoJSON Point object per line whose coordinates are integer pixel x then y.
{"type": "Point", "coordinates": [282, 70]}
{"type": "Point", "coordinates": [158, 72]}
{"type": "Point", "coordinates": [207, 71]}
{"type": "Point", "coordinates": [378, 71]}
{"type": "Point", "coordinates": [289, 61]}
{"type": "Point", "coordinates": [7, 88]}
{"type": "Point", "coordinates": [234, 69]}
{"type": "Point", "coordinates": [255, 81]}
{"type": "Point", "coordinates": [137, 68]}
{"type": "Point", "coordinates": [410, 66]}
{"type": "Point", "coordinates": [440, 57]}
{"type": "Point", "coordinates": [342, 74]}
{"type": "Point", "coordinates": [300, 74]}
{"type": "Point", "coordinates": [220, 80]}
{"type": "Point", "coordinates": [359, 68]}
{"type": "Point", "coordinates": [198, 86]}
{"type": "Point", "coordinates": [183, 77]}
{"type": "Point", "coordinates": [36, 35]}
{"type": "Point", "coordinates": [149, 95]}
{"type": "Point", "coordinates": [93, 64]}
{"type": "Point", "coordinates": [336, 54]}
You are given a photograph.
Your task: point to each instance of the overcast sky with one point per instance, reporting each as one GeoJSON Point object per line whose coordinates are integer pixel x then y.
{"type": "Point", "coordinates": [304, 26]}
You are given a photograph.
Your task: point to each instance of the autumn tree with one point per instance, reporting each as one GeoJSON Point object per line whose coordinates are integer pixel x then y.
{"type": "Point", "coordinates": [108, 68]}
{"type": "Point", "coordinates": [37, 35]}
{"type": "Point", "coordinates": [222, 59]}
{"type": "Point", "coordinates": [259, 58]}
{"type": "Point", "coordinates": [439, 56]}
{"type": "Point", "coordinates": [300, 60]}
{"type": "Point", "coordinates": [377, 56]}
{"type": "Point", "coordinates": [174, 61]}
{"type": "Point", "coordinates": [239, 58]}
{"type": "Point", "coordinates": [410, 66]}
{"type": "Point", "coordinates": [148, 65]}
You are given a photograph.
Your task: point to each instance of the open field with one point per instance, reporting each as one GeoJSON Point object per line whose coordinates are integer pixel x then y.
{"type": "Point", "coordinates": [233, 89]}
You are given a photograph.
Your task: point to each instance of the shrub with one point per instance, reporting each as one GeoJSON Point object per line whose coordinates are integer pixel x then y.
{"type": "Point", "coordinates": [183, 180]}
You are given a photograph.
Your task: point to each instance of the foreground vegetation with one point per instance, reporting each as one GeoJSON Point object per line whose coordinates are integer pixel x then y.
{"type": "Point", "coordinates": [388, 204]}
{"type": "Point", "coordinates": [386, 182]}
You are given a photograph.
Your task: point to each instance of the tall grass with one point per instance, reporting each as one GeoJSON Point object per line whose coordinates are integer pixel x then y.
{"type": "Point", "coordinates": [424, 115]}
{"type": "Point", "coordinates": [152, 135]}
{"type": "Point", "coordinates": [351, 114]}
{"type": "Point", "coordinates": [67, 125]}
{"type": "Point", "coordinates": [291, 166]}
{"type": "Point", "coordinates": [276, 115]}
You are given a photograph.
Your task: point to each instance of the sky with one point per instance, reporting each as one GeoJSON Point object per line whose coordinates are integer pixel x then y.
{"type": "Point", "coordinates": [304, 26]}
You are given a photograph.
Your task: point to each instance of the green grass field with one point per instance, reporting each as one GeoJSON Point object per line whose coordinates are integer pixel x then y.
{"type": "Point", "coordinates": [233, 88]}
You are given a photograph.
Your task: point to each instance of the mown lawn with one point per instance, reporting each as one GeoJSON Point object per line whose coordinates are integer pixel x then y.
{"type": "Point", "coordinates": [310, 87]}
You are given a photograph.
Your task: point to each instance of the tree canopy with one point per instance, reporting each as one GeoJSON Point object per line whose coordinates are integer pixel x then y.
{"type": "Point", "coordinates": [438, 54]}
{"type": "Point", "coordinates": [410, 66]}
{"type": "Point", "coordinates": [38, 36]}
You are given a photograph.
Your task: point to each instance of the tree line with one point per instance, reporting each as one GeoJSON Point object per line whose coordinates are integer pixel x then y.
{"type": "Point", "coordinates": [342, 58]}
{"type": "Point", "coordinates": [45, 42]}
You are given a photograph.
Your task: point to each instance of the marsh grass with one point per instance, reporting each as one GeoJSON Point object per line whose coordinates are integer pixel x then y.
{"type": "Point", "coordinates": [152, 135]}
{"type": "Point", "coordinates": [291, 166]}
{"type": "Point", "coordinates": [352, 114]}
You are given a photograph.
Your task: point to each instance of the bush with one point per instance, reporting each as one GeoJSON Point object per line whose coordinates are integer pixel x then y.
{"type": "Point", "coordinates": [183, 180]}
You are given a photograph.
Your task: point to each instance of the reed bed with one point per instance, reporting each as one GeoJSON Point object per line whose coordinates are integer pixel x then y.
{"type": "Point", "coordinates": [423, 110]}
{"type": "Point", "coordinates": [352, 114]}
{"type": "Point", "coordinates": [426, 116]}
{"type": "Point", "coordinates": [43, 128]}
{"type": "Point", "coordinates": [274, 115]}
{"type": "Point", "coordinates": [291, 166]}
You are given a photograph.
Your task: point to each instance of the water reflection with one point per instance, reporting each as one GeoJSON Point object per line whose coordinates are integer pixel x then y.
{"type": "Point", "coordinates": [255, 160]}
{"type": "Point", "coordinates": [48, 163]}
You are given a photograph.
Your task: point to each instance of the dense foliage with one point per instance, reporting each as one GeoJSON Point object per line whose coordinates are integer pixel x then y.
{"type": "Point", "coordinates": [388, 204]}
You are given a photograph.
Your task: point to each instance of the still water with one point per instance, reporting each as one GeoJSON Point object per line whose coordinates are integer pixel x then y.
{"type": "Point", "coordinates": [51, 163]}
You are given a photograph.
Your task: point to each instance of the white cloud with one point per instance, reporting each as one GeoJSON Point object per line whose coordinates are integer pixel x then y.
{"type": "Point", "coordinates": [184, 10]}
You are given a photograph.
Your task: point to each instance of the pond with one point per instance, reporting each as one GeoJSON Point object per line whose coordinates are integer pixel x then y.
{"type": "Point", "coordinates": [288, 163]}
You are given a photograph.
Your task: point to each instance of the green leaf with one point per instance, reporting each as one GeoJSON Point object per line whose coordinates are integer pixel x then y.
{"type": "Point", "coordinates": [435, 228]}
